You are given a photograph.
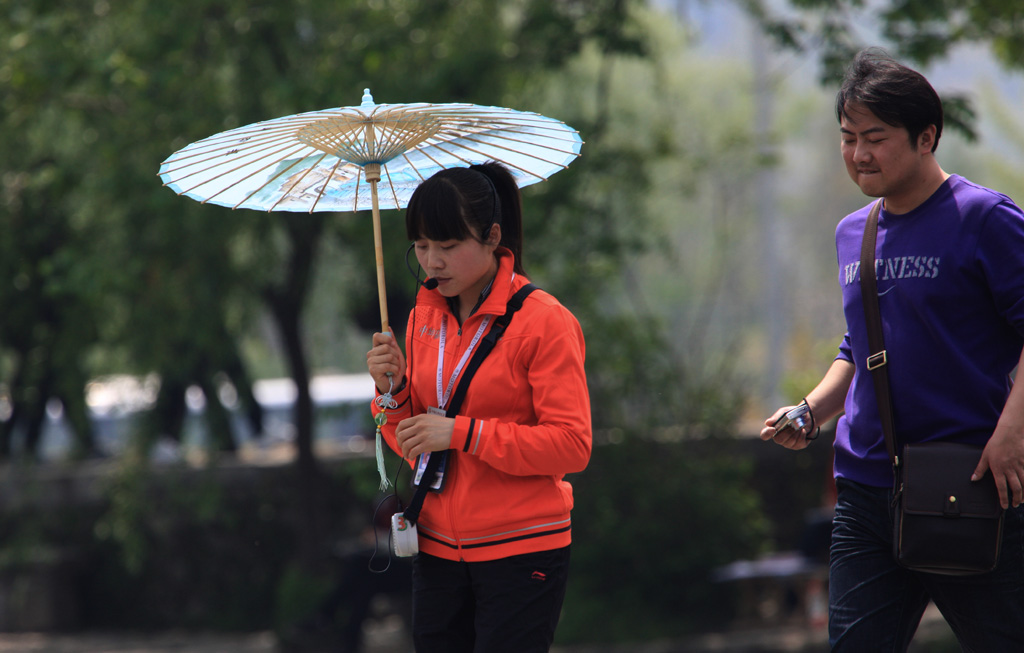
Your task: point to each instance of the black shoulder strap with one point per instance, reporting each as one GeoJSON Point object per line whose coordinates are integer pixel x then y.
{"type": "Point", "coordinates": [495, 333]}
{"type": "Point", "coordinates": [878, 358]}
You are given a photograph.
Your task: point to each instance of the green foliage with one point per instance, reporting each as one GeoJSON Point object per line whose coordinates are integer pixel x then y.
{"type": "Point", "coordinates": [642, 237]}
{"type": "Point", "coordinates": [131, 525]}
{"type": "Point", "coordinates": [921, 31]}
{"type": "Point", "coordinates": [30, 537]}
{"type": "Point", "coordinates": [651, 521]}
{"type": "Point", "coordinates": [927, 30]}
{"type": "Point", "coordinates": [124, 523]}
{"type": "Point", "coordinates": [188, 549]}
{"type": "Point", "coordinates": [299, 594]}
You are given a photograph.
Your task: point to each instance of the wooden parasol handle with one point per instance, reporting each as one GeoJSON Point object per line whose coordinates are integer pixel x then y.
{"type": "Point", "coordinates": [372, 171]}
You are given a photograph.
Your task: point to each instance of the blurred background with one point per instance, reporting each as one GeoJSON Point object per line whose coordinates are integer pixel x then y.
{"type": "Point", "coordinates": [185, 442]}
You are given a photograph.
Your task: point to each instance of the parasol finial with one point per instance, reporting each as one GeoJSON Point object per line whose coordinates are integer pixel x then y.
{"type": "Point", "coordinates": [367, 98]}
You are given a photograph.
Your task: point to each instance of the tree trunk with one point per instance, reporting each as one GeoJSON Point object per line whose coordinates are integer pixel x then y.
{"type": "Point", "coordinates": [286, 304]}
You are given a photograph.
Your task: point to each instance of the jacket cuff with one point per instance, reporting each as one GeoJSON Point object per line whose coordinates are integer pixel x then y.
{"type": "Point", "coordinates": [466, 435]}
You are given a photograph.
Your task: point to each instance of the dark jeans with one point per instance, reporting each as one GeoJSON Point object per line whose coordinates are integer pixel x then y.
{"type": "Point", "coordinates": [509, 605]}
{"type": "Point", "coordinates": [876, 605]}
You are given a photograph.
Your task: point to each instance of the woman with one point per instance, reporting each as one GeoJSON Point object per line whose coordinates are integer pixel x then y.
{"type": "Point", "coordinates": [494, 541]}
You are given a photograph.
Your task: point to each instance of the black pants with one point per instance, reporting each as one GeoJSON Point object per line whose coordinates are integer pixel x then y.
{"type": "Point", "coordinates": [510, 605]}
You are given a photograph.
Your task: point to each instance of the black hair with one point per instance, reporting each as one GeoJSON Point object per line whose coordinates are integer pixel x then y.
{"type": "Point", "coordinates": [460, 203]}
{"type": "Point", "coordinates": [898, 95]}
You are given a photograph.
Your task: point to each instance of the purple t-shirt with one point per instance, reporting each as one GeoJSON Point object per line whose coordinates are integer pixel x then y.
{"type": "Point", "coordinates": [951, 294]}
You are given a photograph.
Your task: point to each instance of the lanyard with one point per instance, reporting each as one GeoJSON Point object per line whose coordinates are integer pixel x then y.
{"type": "Point", "coordinates": [442, 397]}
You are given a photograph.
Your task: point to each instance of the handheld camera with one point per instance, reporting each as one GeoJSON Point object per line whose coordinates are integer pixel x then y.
{"type": "Point", "coordinates": [795, 418]}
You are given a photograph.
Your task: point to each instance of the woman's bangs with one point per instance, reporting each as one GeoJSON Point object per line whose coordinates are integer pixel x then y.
{"type": "Point", "coordinates": [430, 214]}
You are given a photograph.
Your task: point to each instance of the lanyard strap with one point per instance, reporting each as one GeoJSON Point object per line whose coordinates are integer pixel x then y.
{"type": "Point", "coordinates": [442, 396]}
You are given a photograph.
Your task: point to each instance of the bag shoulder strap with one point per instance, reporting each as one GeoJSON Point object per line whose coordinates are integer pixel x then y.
{"type": "Point", "coordinates": [878, 359]}
{"type": "Point", "coordinates": [494, 334]}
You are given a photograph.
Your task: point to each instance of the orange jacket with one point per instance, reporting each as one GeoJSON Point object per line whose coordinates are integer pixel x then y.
{"type": "Point", "coordinates": [523, 425]}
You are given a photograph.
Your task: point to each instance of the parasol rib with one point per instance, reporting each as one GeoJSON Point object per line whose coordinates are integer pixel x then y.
{"type": "Point", "coordinates": [242, 180]}
{"type": "Point", "coordinates": [323, 186]}
{"type": "Point", "coordinates": [243, 163]}
{"type": "Point", "coordinates": [242, 153]}
{"type": "Point", "coordinates": [217, 145]}
{"type": "Point", "coordinates": [391, 185]}
{"type": "Point", "coordinates": [495, 158]}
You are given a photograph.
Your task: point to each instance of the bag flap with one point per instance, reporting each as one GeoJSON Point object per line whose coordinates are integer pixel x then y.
{"type": "Point", "coordinates": [937, 481]}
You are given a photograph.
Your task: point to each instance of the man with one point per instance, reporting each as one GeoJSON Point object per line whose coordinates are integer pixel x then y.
{"type": "Point", "coordinates": [950, 268]}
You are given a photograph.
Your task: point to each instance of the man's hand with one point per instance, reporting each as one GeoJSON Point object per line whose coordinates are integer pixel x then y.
{"type": "Point", "coordinates": [1004, 457]}
{"type": "Point", "coordinates": [789, 437]}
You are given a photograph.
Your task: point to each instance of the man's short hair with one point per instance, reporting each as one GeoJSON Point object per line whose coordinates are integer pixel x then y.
{"type": "Point", "coordinates": [898, 95]}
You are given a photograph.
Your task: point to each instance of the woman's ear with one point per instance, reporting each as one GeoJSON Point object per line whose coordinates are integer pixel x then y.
{"type": "Point", "coordinates": [494, 238]}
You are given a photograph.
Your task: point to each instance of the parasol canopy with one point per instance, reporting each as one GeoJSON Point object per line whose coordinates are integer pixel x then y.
{"type": "Point", "coordinates": [335, 159]}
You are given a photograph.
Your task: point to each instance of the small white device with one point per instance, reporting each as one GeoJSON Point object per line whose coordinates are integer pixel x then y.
{"type": "Point", "coordinates": [404, 536]}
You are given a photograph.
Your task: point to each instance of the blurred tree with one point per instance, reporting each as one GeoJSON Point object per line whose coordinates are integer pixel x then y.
{"type": "Point", "coordinates": [53, 273]}
{"type": "Point", "coordinates": [644, 235]}
{"type": "Point", "coordinates": [922, 31]}
{"type": "Point", "coordinates": [101, 92]}
{"type": "Point", "coordinates": [48, 321]}
{"type": "Point", "coordinates": [104, 91]}
{"type": "Point", "coordinates": [650, 244]}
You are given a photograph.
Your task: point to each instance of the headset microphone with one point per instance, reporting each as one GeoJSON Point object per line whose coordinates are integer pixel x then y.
{"type": "Point", "coordinates": [429, 284]}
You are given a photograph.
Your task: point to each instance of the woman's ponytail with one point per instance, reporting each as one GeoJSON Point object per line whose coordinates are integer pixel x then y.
{"type": "Point", "coordinates": [509, 213]}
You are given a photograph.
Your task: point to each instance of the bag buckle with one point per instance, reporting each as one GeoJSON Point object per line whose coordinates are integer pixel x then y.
{"type": "Point", "coordinates": [877, 360]}
{"type": "Point", "coordinates": [952, 508]}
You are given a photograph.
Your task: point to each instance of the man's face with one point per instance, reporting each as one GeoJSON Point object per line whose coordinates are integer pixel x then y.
{"type": "Point", "coordinates": [880, 158]}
